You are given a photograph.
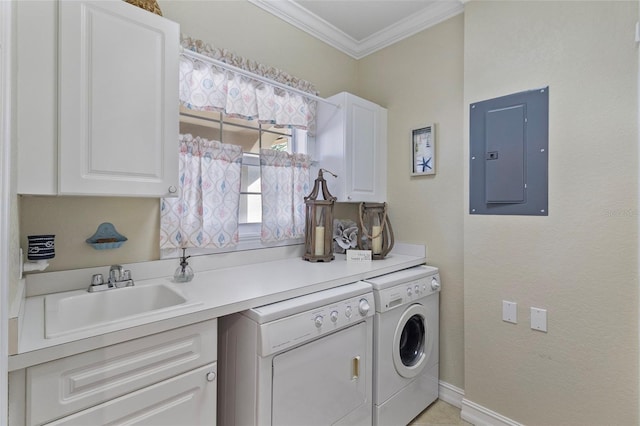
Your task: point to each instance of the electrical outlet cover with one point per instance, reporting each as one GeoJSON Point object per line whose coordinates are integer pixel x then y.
{"type": "Point", "coordinates": [539, 319]}
{"type": "Point", "coordinates": [510, 311]}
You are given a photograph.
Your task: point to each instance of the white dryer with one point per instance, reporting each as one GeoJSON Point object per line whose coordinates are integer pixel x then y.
{"type": "Point", "coordinates": [304, 361]}
{"type": "Point", "coordinates": [406, 346]}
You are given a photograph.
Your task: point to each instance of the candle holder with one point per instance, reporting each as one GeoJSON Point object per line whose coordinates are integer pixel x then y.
{"type": "Point", "coordinates": [375, 229]}
{"type": "Point", "coordinates": [318, 241]}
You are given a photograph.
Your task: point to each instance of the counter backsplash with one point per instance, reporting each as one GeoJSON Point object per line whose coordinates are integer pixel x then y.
{"type": "Point", "coordinates": [76, 279]}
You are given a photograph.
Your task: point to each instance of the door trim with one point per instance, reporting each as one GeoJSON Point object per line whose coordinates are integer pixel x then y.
{"type": "Point", "coordinates": [6, 13]}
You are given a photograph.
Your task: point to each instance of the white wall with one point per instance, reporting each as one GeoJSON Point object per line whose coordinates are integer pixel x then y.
{"type": "Point", "coordinates": [581, 262]}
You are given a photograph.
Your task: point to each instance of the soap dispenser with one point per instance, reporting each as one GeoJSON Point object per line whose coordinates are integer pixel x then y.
{"type": "Point", "coordinates": [183, 273]}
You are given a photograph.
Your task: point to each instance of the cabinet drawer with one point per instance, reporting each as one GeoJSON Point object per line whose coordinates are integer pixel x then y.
{"type": "Point", "coordinates": [59, 388]}
{"type": "Point", "coordinates": [186, 400]}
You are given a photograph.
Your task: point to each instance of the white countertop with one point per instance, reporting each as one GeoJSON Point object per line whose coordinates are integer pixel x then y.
{"type": "Point", "coordinates": [211, 294]}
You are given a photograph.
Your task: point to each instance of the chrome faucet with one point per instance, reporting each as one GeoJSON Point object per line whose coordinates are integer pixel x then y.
{"type": "Point", "coordinates": [115, 273]}
{"type": "Point", "coordinates": [118, 278]}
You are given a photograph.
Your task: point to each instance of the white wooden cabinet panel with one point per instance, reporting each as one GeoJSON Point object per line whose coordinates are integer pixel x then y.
{"type": "Point", "coordinates": [37, 96]}
{"type": "Point", "coordinates": [186, 400]}
{"type": "Point", "coordinates": [351, 141]}
{"type": "Point", "coordinates": [68, 385]}
{"type": "Point", "coordinates": [118, 100]}
{"type": "Point", "coordinates": [97, 99]}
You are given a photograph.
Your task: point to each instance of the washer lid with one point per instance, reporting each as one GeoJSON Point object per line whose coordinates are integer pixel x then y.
{"type": "Point", "coordinates": [401, 277]}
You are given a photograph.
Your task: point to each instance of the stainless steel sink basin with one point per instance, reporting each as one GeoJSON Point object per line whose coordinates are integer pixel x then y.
{"type": "Point", "coordinates": [75, 311]}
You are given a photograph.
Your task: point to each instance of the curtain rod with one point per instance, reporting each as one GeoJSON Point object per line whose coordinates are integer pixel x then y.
{"type": "Point", "coordinates": [205, 58]}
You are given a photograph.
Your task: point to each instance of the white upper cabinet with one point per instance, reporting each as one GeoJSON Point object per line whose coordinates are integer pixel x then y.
{"type": "Point", "coordinates": [117, 102]}
{"type": "Point", "coordinates": [37, 96]}
{"type": "Point", "coordinates": [351, 141]}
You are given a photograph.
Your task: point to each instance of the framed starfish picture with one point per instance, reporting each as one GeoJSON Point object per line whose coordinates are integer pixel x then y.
{"type": "Point", "coordinates": [423, 157]}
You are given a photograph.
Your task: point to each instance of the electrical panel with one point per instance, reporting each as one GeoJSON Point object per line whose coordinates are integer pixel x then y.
{"type": "Point", "coordinates": [509, 141]}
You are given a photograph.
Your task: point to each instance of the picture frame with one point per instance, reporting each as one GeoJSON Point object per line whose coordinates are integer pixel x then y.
{"type": "Point", "coordinates": [423, 159]}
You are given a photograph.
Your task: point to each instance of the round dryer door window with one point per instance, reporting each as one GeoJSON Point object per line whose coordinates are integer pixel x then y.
{"type": "Point", "coordinates": [411, 342]}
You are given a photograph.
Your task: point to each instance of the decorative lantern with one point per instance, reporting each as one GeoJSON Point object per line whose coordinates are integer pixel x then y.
{"type": "Point", "coordinates": [318, 242]}
{"type": "Point", "coordinates": [374, 229]}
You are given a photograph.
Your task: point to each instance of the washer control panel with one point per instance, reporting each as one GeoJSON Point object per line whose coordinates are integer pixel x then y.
{"type": "Point", "coordinates": [401, 294]}
{"type": "Point", "coordinates": [287, 332]}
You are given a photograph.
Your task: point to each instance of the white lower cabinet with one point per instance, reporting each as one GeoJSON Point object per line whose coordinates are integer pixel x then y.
{"type": "Point", "coordinates": [167, 378]}
{"type": "Point", "coordinates": [189, 399]}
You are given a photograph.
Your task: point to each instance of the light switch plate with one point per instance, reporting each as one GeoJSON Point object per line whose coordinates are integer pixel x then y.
{"type": "Point", "coordinates": [539, 319]}
{"type": "Point", "coordinates": [510, 312]}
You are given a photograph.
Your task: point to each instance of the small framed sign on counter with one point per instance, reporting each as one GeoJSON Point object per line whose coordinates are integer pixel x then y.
{"type": "Point", "coordinates": [423, 159]}
{"type": "Point", "coordinates": [358, 255]}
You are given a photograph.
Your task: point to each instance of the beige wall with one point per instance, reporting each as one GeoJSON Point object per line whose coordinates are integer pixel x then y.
{"type": "Point", "coordinates": [581, 262]}
{"type": "Point", "coordinates": [74, 219]}
{"type": "Point", "coordinates": [419, 80]}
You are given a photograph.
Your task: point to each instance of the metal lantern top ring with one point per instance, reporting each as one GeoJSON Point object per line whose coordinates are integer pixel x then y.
{"type": "Point", "coordinates": [318, 242]}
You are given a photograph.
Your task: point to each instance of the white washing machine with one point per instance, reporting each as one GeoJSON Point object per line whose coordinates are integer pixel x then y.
{"type": "Point", "coordinates": [406, 347]}
{"type": "Point", "coordinates": [303, 361]}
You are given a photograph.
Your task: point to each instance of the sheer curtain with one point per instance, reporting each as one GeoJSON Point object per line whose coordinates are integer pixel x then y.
{"type": "Point", "coordinates": [206, 212]}
{"type": "Point", "coordinates": [284, 177]}
{"type": "Point", "coordinates": [285, 183]}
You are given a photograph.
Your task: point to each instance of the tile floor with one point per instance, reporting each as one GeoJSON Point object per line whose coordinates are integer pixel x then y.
{"type": "Point", "coordinates": [439, 414]}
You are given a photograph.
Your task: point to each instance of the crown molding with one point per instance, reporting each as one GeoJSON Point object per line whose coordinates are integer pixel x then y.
{"type": "Point", "coordinates": [296, 15]}
{"type": "Point", "coordinates": [435, 13]}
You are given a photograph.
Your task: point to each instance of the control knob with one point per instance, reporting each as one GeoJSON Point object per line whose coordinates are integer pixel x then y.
{"type": "Point", "coordinates": [417, 289]}
{"type": "Point", "coordinates": [435, 285]}
{"type": "Point", "coordinates": [363, 307]}
{"type": "Point", "coordinates": [409, 292]}
{"type": "Point", "coordinates": [347, 312]}
{"type": "Point", "coordinates": [334, 316]}
{"type": "Point", "coordinates": [318, 321]}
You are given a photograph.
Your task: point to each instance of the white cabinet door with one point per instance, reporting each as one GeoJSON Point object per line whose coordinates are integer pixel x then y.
{"type": "Point", "coordinates": [185, 400]}
{"type": "Point", "coordinates": [351, 141]}
{"type": "Point", "coordinates": [69, 385]}
{"type": "Point", "coordinates": [118, 100]}
{"type": "Point", "coordinates": [36, 93]}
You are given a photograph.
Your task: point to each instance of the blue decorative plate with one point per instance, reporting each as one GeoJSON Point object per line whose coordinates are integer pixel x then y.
{"type": "Point", "coordinates": [106, 237]}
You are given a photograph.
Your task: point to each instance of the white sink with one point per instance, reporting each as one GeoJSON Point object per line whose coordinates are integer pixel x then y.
{"type": "Point", "coordinates": [75, 311]}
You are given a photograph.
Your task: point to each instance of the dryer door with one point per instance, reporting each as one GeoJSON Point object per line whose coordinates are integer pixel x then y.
{"type": "Point", "coordinates": [412, 341]}
{"type": "Point", "coordinates": [325, 382]}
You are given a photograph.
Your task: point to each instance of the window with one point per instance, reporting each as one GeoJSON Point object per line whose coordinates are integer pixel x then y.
{"type": "Point", "coordinates": [251, 136]}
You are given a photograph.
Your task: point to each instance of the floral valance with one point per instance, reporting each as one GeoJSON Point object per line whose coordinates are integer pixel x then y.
{"type": "Point", "coordinates": [207, 87]}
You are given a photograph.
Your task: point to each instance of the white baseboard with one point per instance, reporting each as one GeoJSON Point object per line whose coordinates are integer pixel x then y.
{"type": "Point", "coordinates": [478, 415]}
{"type": "Point", "coordinates": [450, 394]}
{"type": "Point", "coordinates": [474, 413]}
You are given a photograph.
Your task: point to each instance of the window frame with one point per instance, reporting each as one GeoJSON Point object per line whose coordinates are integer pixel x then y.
{"type": "Point", "coordinates": [249, 233]}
